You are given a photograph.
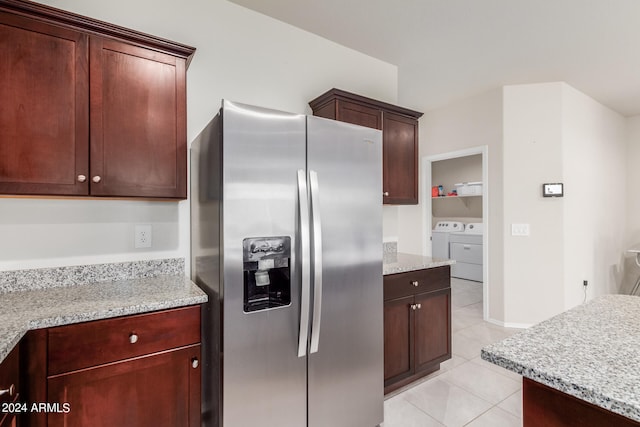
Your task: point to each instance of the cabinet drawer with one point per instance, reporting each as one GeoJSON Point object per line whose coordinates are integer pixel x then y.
{"type": "Point", "coordinates": [9, 370]}
{"type": "Point", "coordinates": [404, 284]}
{"type": "Point", "coordinates": [88, 344]}
{"type": "Point", "coordinates": [466, 252]}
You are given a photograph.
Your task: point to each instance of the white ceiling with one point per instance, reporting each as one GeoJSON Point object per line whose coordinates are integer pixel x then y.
{"type": "Point", "coordinates": [447, 50]}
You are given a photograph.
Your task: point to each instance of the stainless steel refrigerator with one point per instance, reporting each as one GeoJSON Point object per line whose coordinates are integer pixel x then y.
{"type": "Point", "coordinates": [287, 242]}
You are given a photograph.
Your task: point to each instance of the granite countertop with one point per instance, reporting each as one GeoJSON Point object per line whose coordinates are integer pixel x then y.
{"type": "Point", "coordinates": [399, 262]}
{"type": "Point", "coordinates": [590, 352]}
{"type": "Point", "coordinates": [78, 296]}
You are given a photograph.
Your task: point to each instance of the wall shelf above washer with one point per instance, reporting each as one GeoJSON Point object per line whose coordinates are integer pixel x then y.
{"type": "Point", "coordinates": [465, 199]}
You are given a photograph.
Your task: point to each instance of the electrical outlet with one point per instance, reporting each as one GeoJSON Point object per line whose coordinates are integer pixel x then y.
{"type": "Point", "coordinates": [143, 236]}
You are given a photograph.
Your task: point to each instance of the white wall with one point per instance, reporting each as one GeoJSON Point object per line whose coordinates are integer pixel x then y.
{"type": "Point", "coordinates": [554, 133]}
{"type": "Point", "coordinates": [539, 133]}
{"type": "Point", "coordinates": [241, 55]}
{"type": "Point", "coordinates": [595, 153]}
{"type": "Point", "coordinates": [470, 123]}
{"type": "Point", "coordinates": [633, 181]}
{"type": "Point", "coordinates": [533, 265]}
{"type": "Point", "coordinates": [631, 271]}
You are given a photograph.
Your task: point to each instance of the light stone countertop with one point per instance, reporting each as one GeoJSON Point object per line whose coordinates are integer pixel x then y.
{"type": "Point", "coordinates": [591, 352]}
{"type": "Point", "coordinates": [25, 309]}
{"type": "Point", "coordinates": [400, 262]}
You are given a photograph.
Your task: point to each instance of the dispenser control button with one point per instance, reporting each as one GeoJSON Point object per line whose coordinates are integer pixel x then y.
{"type": "Point", "coordinates": [266, 264]}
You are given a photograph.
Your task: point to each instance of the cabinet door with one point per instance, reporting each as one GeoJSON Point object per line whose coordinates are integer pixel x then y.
{"type": "Point", "coordinates": [400, 159]}
{"type": "Point", "coordinates": [44, 114]}
{"type": "Point", "coordinates": [359, 114]}
{"type": "Point", "coordinates": [398, 339]}
{"type": "Point", "coordinates": [9, 383]}
{"type": "Point", "coordinates": [8, 420]}
{"type": "Point", "coordinates": [138, 121]}
{"type": "Point", "coordinates": [433, 328]}
{"type": "Point", "coordinates": [157, 390]}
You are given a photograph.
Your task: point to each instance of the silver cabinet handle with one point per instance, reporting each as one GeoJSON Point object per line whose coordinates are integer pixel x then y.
{"type": "Point", "coordinates": [11, 391]}
{"type": "Point", "coordinates": [415, 283]}
{"type": "Point", "coordinates": [133, 338]}
{"type": "Point", "coordinates": [419, 306]}
{"type": "Point", "coordinates": [82, 178]}
{"type": "Point", "coordinates": [467, 247]}
{"type": "Point", "coordinates": [317, 260]}
{"type": "Point", "coordinates": [96, 179]}
{"type": "Point", "coordinates": [305, 291]}
{"type": "Point", "coordinates": [385, 194]}
{"type": "Point", "coordinates": [413, 306]}
{"type": "Point", "coordinates": [195, 363]}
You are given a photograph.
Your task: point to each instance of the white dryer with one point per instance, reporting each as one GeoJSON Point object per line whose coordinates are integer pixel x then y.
{"type": "Point", "coordinates": [466, 249]}
{"type": "Point", "coordinates": [440, 238]}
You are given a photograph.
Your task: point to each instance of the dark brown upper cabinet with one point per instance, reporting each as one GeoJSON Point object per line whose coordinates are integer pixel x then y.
{"type": "Point", "coordinates": [399, 138]}
{"type": "Point", "coordinates": [89, 108]}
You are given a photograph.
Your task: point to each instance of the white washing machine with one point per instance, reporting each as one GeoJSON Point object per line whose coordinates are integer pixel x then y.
{"type": "Point", "coordinates": [466, 249]}
{"type": "Point", "coordinates": [440, 238]}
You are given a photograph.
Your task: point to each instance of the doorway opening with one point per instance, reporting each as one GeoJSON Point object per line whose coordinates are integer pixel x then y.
{"type": "Point", "coordinates": [455, 191]}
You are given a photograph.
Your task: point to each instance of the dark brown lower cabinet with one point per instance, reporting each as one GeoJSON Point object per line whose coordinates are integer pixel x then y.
{"type": "Point", "coordinates": [433, 327]}
{"type": "Point", "coordinates": [399, 326]}
{"type": "Point", "coordinates": [9, 420]}
{"type": "Point", "coordinates": [545, 406]}
{"type": "Point", "coordinates": [417, 325]}
{"type": "Point", "coordinates": [158, 390]}
{"type": "Point", "coordinates": [139, 371]}
{"type": "Point", "coordinates": [10, 389]}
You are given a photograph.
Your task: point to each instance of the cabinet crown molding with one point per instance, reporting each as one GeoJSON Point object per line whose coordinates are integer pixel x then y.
{"type": "Point", "coordinates": [67, 19]}
{"type": "Point", "coordinates": [348, 96]}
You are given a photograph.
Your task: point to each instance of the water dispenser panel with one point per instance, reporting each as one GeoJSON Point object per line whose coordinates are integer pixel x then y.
{"type": "Point", "coordinates": [267, 273]}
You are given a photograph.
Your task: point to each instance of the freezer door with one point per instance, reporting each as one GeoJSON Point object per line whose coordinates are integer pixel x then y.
{"type": "Point", "coordinates": [264, 380]}
{"type": "Point", "coordinates": [346, 371]}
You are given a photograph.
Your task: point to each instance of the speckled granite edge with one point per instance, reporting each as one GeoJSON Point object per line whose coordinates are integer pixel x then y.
{"type": "Point", "coordinates": [21, 311]}
{"type": "Point", "coordinates": [43, 278]}
{"type": "Point", "coordinates": [400, 263]}
{"type": "Point", "coordinates": [589, 352]}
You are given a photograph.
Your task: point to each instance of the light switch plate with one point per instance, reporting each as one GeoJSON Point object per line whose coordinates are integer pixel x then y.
{"type": "Point", "coordinates": [519, 229]}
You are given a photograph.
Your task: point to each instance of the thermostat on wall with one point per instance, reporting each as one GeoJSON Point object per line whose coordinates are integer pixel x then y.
{"type": "Point", "coordinates": [552, 190]}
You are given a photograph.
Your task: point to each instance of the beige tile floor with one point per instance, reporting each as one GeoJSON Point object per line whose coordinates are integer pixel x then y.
{"type": "Point", "coordinates": [466, 391]}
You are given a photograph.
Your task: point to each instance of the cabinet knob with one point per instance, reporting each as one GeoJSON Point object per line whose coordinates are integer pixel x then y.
{"type": "Point", "coordinates": [385, 194]}
{"type": "Point", "coordinates": [195, 363]}
{"type": "Point", "coordinates": [415, 283]}
{"type": "Point", "coordinates": [419, 306]}
{"type": "Point", "coordinates": [11, 391]}
{"type": "Point", "coordinates": [96, 179]}
{"type": "Point", "coordinates": [133, 338]}
{"type": "Point", "coordinates": [413, 306]}
{"type": "Point", "coordinates": [82, 178]}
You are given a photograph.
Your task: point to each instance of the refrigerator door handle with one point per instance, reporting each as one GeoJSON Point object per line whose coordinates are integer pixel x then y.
{"type": "Point", "coordinates": [305, 256]}
{"type": "Point", "coordinates": [317, 260]}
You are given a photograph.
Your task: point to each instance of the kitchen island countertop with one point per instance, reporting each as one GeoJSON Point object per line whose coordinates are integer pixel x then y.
{"type": "Point", "coordinates": [26, 309]}
{"type": "Point", "coordinates": [399, 262]}
{"type": "Point", "coordinates": [589, 352]}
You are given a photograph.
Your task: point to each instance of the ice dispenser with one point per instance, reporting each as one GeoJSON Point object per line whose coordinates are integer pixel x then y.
{"type": "Point", "coordinates": [267, 278]}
